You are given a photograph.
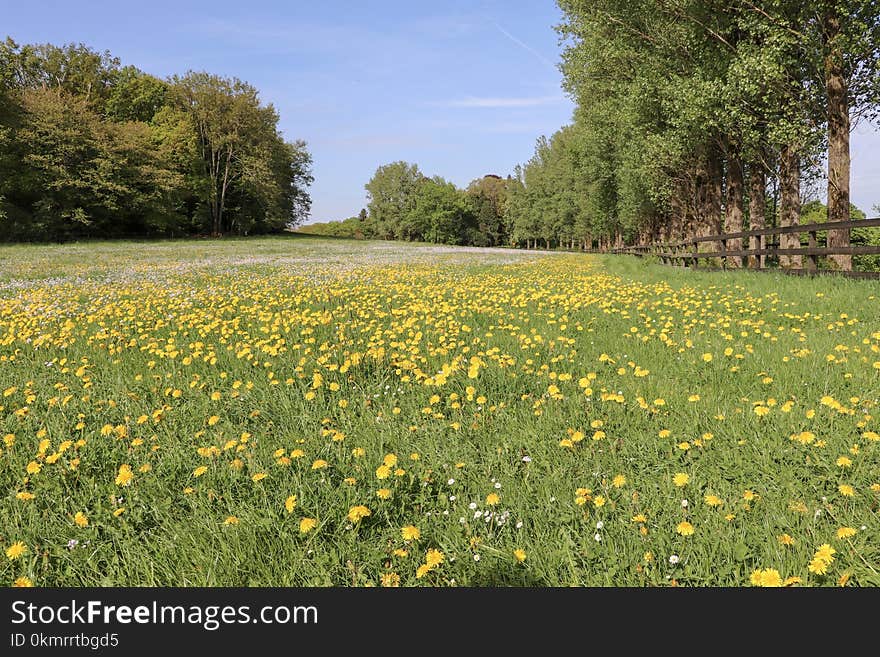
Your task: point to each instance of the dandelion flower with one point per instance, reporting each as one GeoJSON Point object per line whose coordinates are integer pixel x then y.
{"type": "Point", "coordinates": [768, 577]}
{"type": "Point", "coordinates": [290, 503]}
{"type": "Point", "coordinates": [681, 479]}
{"type": "Point", "coordinates": [685, 528]}
{"type": "Point", "coordinates": [410, 533]}
{"type": "Point", "coordinates": [307, 524]}
{"type": "Point", "coordinates": [357, 513]}
{"type": "Point", "coordinates": [15, 550]}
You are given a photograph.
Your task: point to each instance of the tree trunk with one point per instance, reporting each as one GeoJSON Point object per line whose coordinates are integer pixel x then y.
{"type": "Point", "coordinates": [733, 219]}
{"type": "Point", "coordinates": [789, 203]}
{"type": "Point", "coordinates": [757, 209]}
{"type": "Point", "coordinates": [838, 139]}
{"type": "Point", "coordinates": [712, 196]}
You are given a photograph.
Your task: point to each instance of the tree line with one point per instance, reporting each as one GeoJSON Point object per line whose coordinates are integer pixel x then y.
{"type": "Point", "coordinates": [693, 117]}
{"type": "Point", "coordinates": [91, 148]}
{"type": "Point", "coordinates": [405, 204]}
{"type": "Point", "coordinates": [693, 114]}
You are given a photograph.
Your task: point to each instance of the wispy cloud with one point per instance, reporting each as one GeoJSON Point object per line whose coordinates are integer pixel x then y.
{"type": "Point", "coordinates": [528, 101]}
{"type": "Point", "coordinates": [524, 46]}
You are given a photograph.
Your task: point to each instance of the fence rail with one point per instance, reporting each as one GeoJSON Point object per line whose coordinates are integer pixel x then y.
{"type": "Point", "coordinates": [686, 252]}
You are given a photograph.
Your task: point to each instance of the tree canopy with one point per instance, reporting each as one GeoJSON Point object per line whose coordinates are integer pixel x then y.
{"type": "Point", "coordinates": [91, 148]}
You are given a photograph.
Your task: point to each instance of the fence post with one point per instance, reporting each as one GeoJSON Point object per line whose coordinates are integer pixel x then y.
{"type": "Point", "coordinates": [812, 259]}
{"type": "Point", "coordinates": [762, 259]}
{"type": "Point", "coordinates": [724, 253]}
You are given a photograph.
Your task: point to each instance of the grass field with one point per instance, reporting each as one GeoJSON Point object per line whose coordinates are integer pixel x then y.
{"type": "Point", "coordinates": [299, 411]}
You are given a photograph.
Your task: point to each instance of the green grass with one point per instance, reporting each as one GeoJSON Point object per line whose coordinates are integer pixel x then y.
{"type": "Point", "coordinates": [118, 348]}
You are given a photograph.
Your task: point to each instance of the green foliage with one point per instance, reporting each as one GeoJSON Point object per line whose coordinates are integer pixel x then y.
{"type": "Point", "coordinates": [88, 148]}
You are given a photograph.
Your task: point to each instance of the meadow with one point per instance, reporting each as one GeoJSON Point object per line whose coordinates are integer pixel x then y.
{"type": "Point", "coordinates": [295, 411]}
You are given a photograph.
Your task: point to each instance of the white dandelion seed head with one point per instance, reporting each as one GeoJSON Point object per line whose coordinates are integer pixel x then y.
{"type": "Point", "coordinates": [451, 481]}
{"type": "Point", "coordinates": [598, 537]}
{"type": "Point", "coordinates": [673, 559]}
{"type": "Point", "coordinates": [452, 498]}
{"type": "Point", "coordinates": [684, 504]}
{"type": "Point", "coordinates": [519, 524]}
{"type": "Point", "coordinates": [497, 485]}
{"type": "Point", "coordinates": [472, 506]}
{"type": "Point", "coordinates": [476, 557]}
{"type": "Point", "coordinates": [526, 459]}
{"type": "Point", "coordinates": [600, 525]}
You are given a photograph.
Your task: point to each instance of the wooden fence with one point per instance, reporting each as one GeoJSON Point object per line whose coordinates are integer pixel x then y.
{"type": "Point", "coordinates": [687, 253]}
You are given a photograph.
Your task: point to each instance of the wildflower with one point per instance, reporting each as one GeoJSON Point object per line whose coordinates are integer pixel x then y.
{"type": "Point", "coordinates": [22, 582]}
{"type": "Point", "coordinates": [410, 533]}
{"type": "Point", "coordinates": [80, 519]}
{"type": "Point", "coordinates": [434, 558]}
{"type": "Point", "coordinates": [357, 513]}
{"type": "Point", "coordinates": [519, 554]}
{"type": "Point", "coordinates": [15, 550]}
{"type": "Point", "coordinates": [307, 524]}
{"type": "Point", "coordinates": [124, 476]}
{"type": "Point", "coordinates": [846, 532]}
{"type": "Point", "coordinates": [390, 580]}
{"type": "Point", "coordinates": [713, 500]}
{"type": "Point", "coordinates": [619, 481]}
{"type": "Point", "coordinates": [846, 490]}
{"type": "Point", "coordinates": [492, 499]}
{"type": "Point", "coordinates": [768, 577]}
{"type": "Point", "coordinates": [681, 479]}
{"type": "Point", "coordinates": [290, 503]}
{"type": "Point", "coordinates": [685, 528]}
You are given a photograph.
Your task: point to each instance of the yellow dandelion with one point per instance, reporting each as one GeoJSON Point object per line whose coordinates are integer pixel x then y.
{"type": "Point", "coordinates": [290, 503]}
{"type": "Point", "coordinates": [685, 528]}
{"type": "Point", "coordinates": [768, 577]}
{"type": "Point", "coordinates": [357, 513]}
{"type": "Point", "coordinates": [307, 524]}
{"type": "Point", "coordinates": [846, 490]}
{"type": "Point", "coordinates": [681, 479]}
{"type": "Point", "coordinates": [519, 554]}
{"type": "Point", "coordinates": [410, 533]}
{"type": "Point", "coordinates": [125, 475]}
{"type": "Point", "coordinates": [434, 558]}
{"type": "Point", "coordinates": [15, 550]}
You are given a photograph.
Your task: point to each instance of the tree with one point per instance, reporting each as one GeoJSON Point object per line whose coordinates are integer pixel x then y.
{"type": "Point", "coordinates": [440, 214]}
{"type": "Point", "coordinates": [489, 198]}
{"type": "Point", "coordinates": [242, 154]}
{"type": "Point", "coordinates": [391, 194]}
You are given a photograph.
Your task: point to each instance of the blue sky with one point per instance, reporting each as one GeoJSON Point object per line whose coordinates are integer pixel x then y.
{"type": "Point", "coordinates": [463, 88]}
